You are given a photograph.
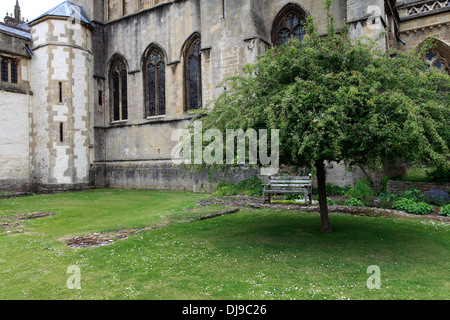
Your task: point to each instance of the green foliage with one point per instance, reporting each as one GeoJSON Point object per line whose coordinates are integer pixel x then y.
{"type": "Point", "coordinates": [295, 197]}
{"type": "Point", "coordinates": [445, 210]}
{"type": "Point", "coordinates": [361, 191]}
{"type": "Point", "coordinates": [339, 99]}
{"type": "Point", "coordinates": [353, 202]}
{"type": "Point", "coordinates": [336, 190]}
{"type": "Point", "coordinates": [333, 190]}
{"type": "Point", "coordinates": [251, 187]}
{"type": "Point", "coordinates": [384, 181]}
{"type": "Point", "coordinates": [388, 196]}
{"type": "Point", "coordinates": [252, 255]}
{"type": "Point", "coordinates": [411, 206]}
{"type": "Point", "coordinates": [440, 175]}
{"type": "Point", "coordinates": [331, 202]}
{"type": "Point", "coordinates": [415, 195]}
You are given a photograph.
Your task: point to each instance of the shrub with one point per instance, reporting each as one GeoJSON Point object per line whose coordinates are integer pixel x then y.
{"type": "Point", "coordinates": [387, 196]}
{"type": "Point", "coordinates": [445, 210]}
{"type": "Point", "coordinates": [370, 201]}
{"type": "Point", "coordinates": [437, 197]}
{"type": "Point", "coordinates": [361, 190]}
{"type": "Point", "coordinates": [440, 175]}
{"type": "Point", "coordinates": [295, 197]}
{"type": "Point", "coordinates": [353, 202]}
{"type": "Point", "coordinates": [410, 206]}
{"type": "Point", "coordinates": [335, 190]}
{"type": "Point", "coordinates": [330, 202]}
{"type": "Point", "coordinates": [251, 187]}
{"type": "Point", "coordinates": [415, 195]}
{"type": "Point", "coordinates": [384, 181]}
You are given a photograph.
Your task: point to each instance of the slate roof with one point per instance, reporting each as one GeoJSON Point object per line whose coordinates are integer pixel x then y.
{"type": "Point", "coordinates": [19, 32]}
{"type": "Point", "coordinates": [69, 10]}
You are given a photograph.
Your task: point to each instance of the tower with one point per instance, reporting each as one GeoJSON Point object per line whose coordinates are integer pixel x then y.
{"type": "Point", "coordinates": [16, 20]}
{"type": "Point", "coordinates": [17, 15]}
{"type": "Point", "coordinates": [62, 81]}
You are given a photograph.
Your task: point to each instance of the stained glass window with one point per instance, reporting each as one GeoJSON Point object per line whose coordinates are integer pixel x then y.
{"type": "Point", "coordinates": [438, 60]}
{"type": "Point", "coordinates": [151, 87]}
{"type": "Point", "coordinates": [161, 88]}
{"type": "Point", "coordinates": [116, 96]}
{"type": "Point", "coordinates": [119, 90]}
{"type": "Point", "coordinates": [156, 84]}
{"type": "Point", "coordinates": [124, 88]}
{"type": "Point", "coordinates": [193, 76]}
{"type": "Point", "coordinates": [288, 25]}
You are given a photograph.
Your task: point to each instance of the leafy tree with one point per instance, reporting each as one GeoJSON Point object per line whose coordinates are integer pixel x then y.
{"type": "Point", "coordinates": [337, 99]}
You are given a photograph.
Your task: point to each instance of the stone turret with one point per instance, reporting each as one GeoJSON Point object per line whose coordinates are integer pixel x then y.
{"type": "Point", "coordinates": [62, 81]}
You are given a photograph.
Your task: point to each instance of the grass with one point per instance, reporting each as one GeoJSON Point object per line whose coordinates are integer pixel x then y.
{"type": "Point", "coordinates": [418, 174]}
{"type": "Point", "coordinates": [253, 254]}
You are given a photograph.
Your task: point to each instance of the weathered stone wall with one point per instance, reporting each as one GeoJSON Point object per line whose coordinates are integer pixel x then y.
{"type": "Point", "coordinates": [14, 139]}
{"type": "Point", "coordinates": [62, 59]}
{"type": "Point", "coordinates": [159, 175]}
{"type": "Point", "coordinates": [415, 32]}
{"type": "Point", "coordinates": [228, 45]}
{"type": "Point", "coordinates": [398, 187]}
{"type": "Point", "coordinates": [136, 153]}
{"type": "Point", "coordinates": [14, 44]}
{"type": "Point", "coordinates": [15, 107]}
{"type": "Point", "coordinates": [367, 18]}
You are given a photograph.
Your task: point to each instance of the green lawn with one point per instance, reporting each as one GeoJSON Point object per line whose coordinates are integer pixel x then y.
{"type": "Point", "coordinates": [253, 254]}
{"type": "Point", "coordinates": [418, 174]}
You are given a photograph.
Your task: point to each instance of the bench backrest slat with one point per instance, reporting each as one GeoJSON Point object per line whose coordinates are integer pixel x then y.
{"type": "Point", "coordinates": [290, 178]}
{"type": "Point", "coordinates": [289, 185]}
{"type": "Point", "coordinates": [290, 182]}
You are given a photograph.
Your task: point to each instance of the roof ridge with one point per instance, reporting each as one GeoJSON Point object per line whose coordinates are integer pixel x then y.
{"type": "Point", "coordinates": [66, 9]}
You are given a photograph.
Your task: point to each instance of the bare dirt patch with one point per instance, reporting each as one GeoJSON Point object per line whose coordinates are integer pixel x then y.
{"type": "Point", "coordinates": [10, 224]}
{"type": "Point", "coordinates": [100, 239]}
{"type": "Point", "coordinates": [28, 216]}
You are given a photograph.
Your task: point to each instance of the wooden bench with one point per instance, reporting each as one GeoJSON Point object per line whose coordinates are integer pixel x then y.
{"type": "Point", "coordinates": [289, 185]}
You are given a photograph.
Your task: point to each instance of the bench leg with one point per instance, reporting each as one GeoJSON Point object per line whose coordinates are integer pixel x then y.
{"type": "Point", "coordinates": [269, 197]}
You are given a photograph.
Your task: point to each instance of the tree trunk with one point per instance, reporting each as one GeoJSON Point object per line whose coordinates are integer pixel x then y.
{"type": "Point", "coordinates": [321, 181]}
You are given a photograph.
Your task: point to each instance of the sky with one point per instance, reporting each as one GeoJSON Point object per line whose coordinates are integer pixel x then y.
{"type": "Point", "coordinates": [30, 9]}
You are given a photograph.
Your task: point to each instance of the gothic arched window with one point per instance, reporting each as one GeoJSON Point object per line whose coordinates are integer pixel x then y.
{"type": "Point", "coordinates": [288, 25]}
{"type": "Point", "coordinates": [155, 80]}
{"type": "Point", "coordinates": [119, 90]}
{"type": "Point", "coordinates": [193, 75]}
{"type": "Point", "coordinates": [438, 60]}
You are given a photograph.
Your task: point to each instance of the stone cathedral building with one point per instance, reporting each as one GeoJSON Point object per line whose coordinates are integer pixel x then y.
{"type": "Point", "coordinates": [92, 90]}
